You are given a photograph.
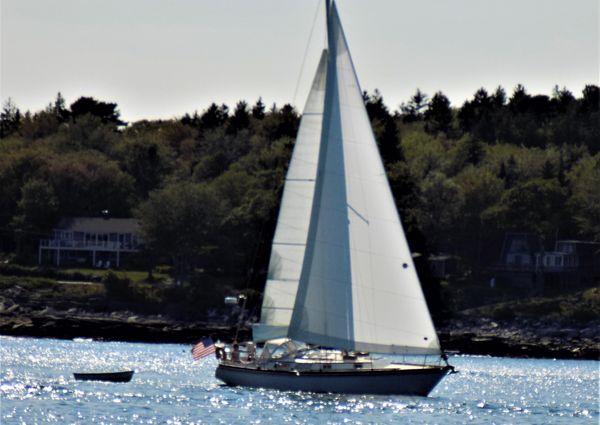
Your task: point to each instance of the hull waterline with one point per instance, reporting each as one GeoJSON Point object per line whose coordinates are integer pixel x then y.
{"type": "Point", "coordinates": [418, 381]}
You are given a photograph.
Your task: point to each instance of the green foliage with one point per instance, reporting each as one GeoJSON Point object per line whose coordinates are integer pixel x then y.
{"type": "Point", "coordinates": [584, 183]}
{"type": "Point", "coordinates": [118, 288]}
{"type": "Point", "coordinates": [107, 112]}
{"type": "Point", "coordinates": [413, 110]}
{"type": "Point", "coordinates": [182, 221]}
{"type": "Point", "coordinates": [37, 207]}
{"type": "Point", "coordinates": [10, 119]}
{"type": "Point", "coordinates": [580, 306]}
{"type": "Point", "coordinates": [441, 204]}
{"type": "Point", "coordinates": [206, 187]}
{"type": "Point", "coordinates": [384, 128]}
{"type": "Point", "coordinates": [438, 116]}
{"type": "Point", "coordinates": [534, 206]}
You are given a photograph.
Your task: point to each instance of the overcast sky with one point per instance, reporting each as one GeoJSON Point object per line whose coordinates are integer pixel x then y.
{"type": "Point", "coordinates": [163, 58]}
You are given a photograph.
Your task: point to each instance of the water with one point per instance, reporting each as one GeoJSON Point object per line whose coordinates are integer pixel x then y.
{"type": "Point", "coordinates": [37, 387]}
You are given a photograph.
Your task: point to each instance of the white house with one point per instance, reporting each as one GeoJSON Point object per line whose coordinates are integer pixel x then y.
{"type": "Point", "coordinates": [91, 242]}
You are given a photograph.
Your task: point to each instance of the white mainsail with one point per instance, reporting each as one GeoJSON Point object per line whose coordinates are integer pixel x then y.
{"type": "Point", "coordinates": [358, 286]}
{"type": "Point", "coordinates": [289, 242]}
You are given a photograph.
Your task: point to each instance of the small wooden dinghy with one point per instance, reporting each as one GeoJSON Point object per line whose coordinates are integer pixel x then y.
{"type": "Point", "coordinates": [124, 376]}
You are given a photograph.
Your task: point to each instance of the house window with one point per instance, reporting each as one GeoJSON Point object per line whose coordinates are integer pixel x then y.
{"type": "Point", "coordinates": [565, 247]}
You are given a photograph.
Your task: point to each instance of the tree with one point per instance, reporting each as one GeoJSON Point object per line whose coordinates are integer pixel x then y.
{"type": "Point", "coordinates": [10, 119]}
{"type": "Point", "coordinates": [441, 204]}
{"type": "Point", "coordinates": [477, 116]}
{"type": "Point", "coordinates": [562, 100]}
{"type": "Point", "coordinates": [469, 150]}
{"type": "Point", "coordinates": [240, 119]}
{"type": "Point", "coordinates": [533, 206]}
{"type": "Point", "coordinates": [590, 101]}
{"type": "Point", "coordinates": [509, 172]}
{"type": "Point", "coordinates": [376, 109]}
{"type": "Point", "coordinates": [548, 170]}
{"type": "Point", "coordinates": [281, 123]}
{"type": "Point", "coordinates": [480, 190]}
{"type": "Point", "coordinates": [87, 182]}
{"type": "Point", "coordinates": [41, 125]}
{"type": "Point", "coordinates": [499, 98]}
{"type": "Point", "coordinates": [584, 183]}
{"type": "Point", "coordinates": [588, 118]}
{"type": "Point", "coordinates": [88, 132]}
{"type": "Point", "coordinates": [519, 101]}
{"type": "Point", "coordinates": [438, 115]}
{"type": "Point", "coordinates": [107, 112]}
{"type": "Point", "coordinates": [181, 222]}
{"type": "Point", "coordinates": [384, 127]}
{"type": "Point", "coordinates": [413, 110]}
{"type": "Point", "coordinates": [258, 110]}
{"type": "Point", "coordinates": [37, 208]}
{"type": "Point", "coordinates": [215, 116]}
{"type": "Point", "coordinates": [147, 159]}
{"type": "Point", "coordinates": [58, 108]}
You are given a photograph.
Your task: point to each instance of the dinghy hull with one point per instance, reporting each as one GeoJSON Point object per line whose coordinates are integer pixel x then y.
{"type": "Point", "coordinates": [105, 376]}
{"type": "Point", "coordinates": [414, 381]}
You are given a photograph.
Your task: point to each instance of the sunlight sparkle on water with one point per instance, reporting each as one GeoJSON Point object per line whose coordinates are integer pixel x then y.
{"type": "Point", "coordinates": [37, 386]}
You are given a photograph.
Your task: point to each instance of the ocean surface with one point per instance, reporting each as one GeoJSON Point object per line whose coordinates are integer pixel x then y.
{"type": "Point", "coordinates": [37, 387]}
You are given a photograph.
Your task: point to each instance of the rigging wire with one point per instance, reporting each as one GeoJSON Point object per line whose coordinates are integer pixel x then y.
{"type": "Point", "coordinates": [312, 31]}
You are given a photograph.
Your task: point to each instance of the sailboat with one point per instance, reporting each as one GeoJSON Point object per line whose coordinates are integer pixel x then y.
{"type": "Point", "coordinates": [343, 310]}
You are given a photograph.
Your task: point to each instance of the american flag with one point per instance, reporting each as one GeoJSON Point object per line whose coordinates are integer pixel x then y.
{"type": "Point", "coordinates": [203, 349]}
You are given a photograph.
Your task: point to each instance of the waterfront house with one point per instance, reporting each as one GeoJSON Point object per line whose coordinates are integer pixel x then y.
{"type": "Point", "coordinates": [571, 262]}
{"type": "Point", "coordinates": [91, 242]}
{"type": "Point", "coordinates": [525, 263]}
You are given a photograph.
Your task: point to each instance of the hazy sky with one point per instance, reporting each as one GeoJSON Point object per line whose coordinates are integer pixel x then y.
{"type": "Point", "coordinates": [163, 58]}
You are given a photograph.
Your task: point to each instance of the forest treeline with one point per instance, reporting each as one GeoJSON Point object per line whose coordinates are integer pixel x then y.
{"type": "Point", "coordinates": [206, 186]}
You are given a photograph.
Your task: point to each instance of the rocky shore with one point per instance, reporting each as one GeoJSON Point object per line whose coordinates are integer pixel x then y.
{"type": "Point", "coordinates": [516, 338]}
{"type": "Point", "coordinates": [522, 338]}
{"type": "Point", "coordinates": [118, 326]}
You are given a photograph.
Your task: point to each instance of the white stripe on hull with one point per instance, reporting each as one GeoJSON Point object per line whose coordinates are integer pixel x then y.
{"type": "Point", "coordinates": [406, 382]}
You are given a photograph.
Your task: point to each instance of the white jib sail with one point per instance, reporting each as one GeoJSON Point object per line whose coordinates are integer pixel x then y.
{"type": "Point", "coordinates": [291, 232]}
{"type": "Point", "coordinates": [358, 288]}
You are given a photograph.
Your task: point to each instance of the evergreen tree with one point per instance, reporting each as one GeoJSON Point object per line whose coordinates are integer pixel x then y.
{"type": "Point", "coordinates": [240, 118]}
{"type": "Point", "coordinates": [59, 109]}
{"type": "Point", "coordinates": [413, 110]}
{"type": "Point", "coordinates": [376, 109]}
{"type": "Point", "coordinates": [10, 119]}
{"type": "Point", "coordinates": [107, 112]}
{"type": "Point", "coordinates": [258, 110]}
{"type": "Point", "coordinates": [438, 116]}
{"type": "Point", "coordinates": [214, 116]}
{"type": "Point", "coordinates": [547, 170]}
{"type": "Point", "coordinates": [590, 101]}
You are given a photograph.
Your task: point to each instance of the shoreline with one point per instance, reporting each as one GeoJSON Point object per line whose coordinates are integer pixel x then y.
{"type": "Point", "coordinates": [457, 336]}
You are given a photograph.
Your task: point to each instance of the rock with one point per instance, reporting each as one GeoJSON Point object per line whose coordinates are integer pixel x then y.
{"type": "Point", "coordinates": [569, 333]}
{"type": "Point", "coordinates": [13, 308]}
{"type": "Point", "coordinates": [589, 333]}
{"type": "Point", "coordinates": [549, 332]}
